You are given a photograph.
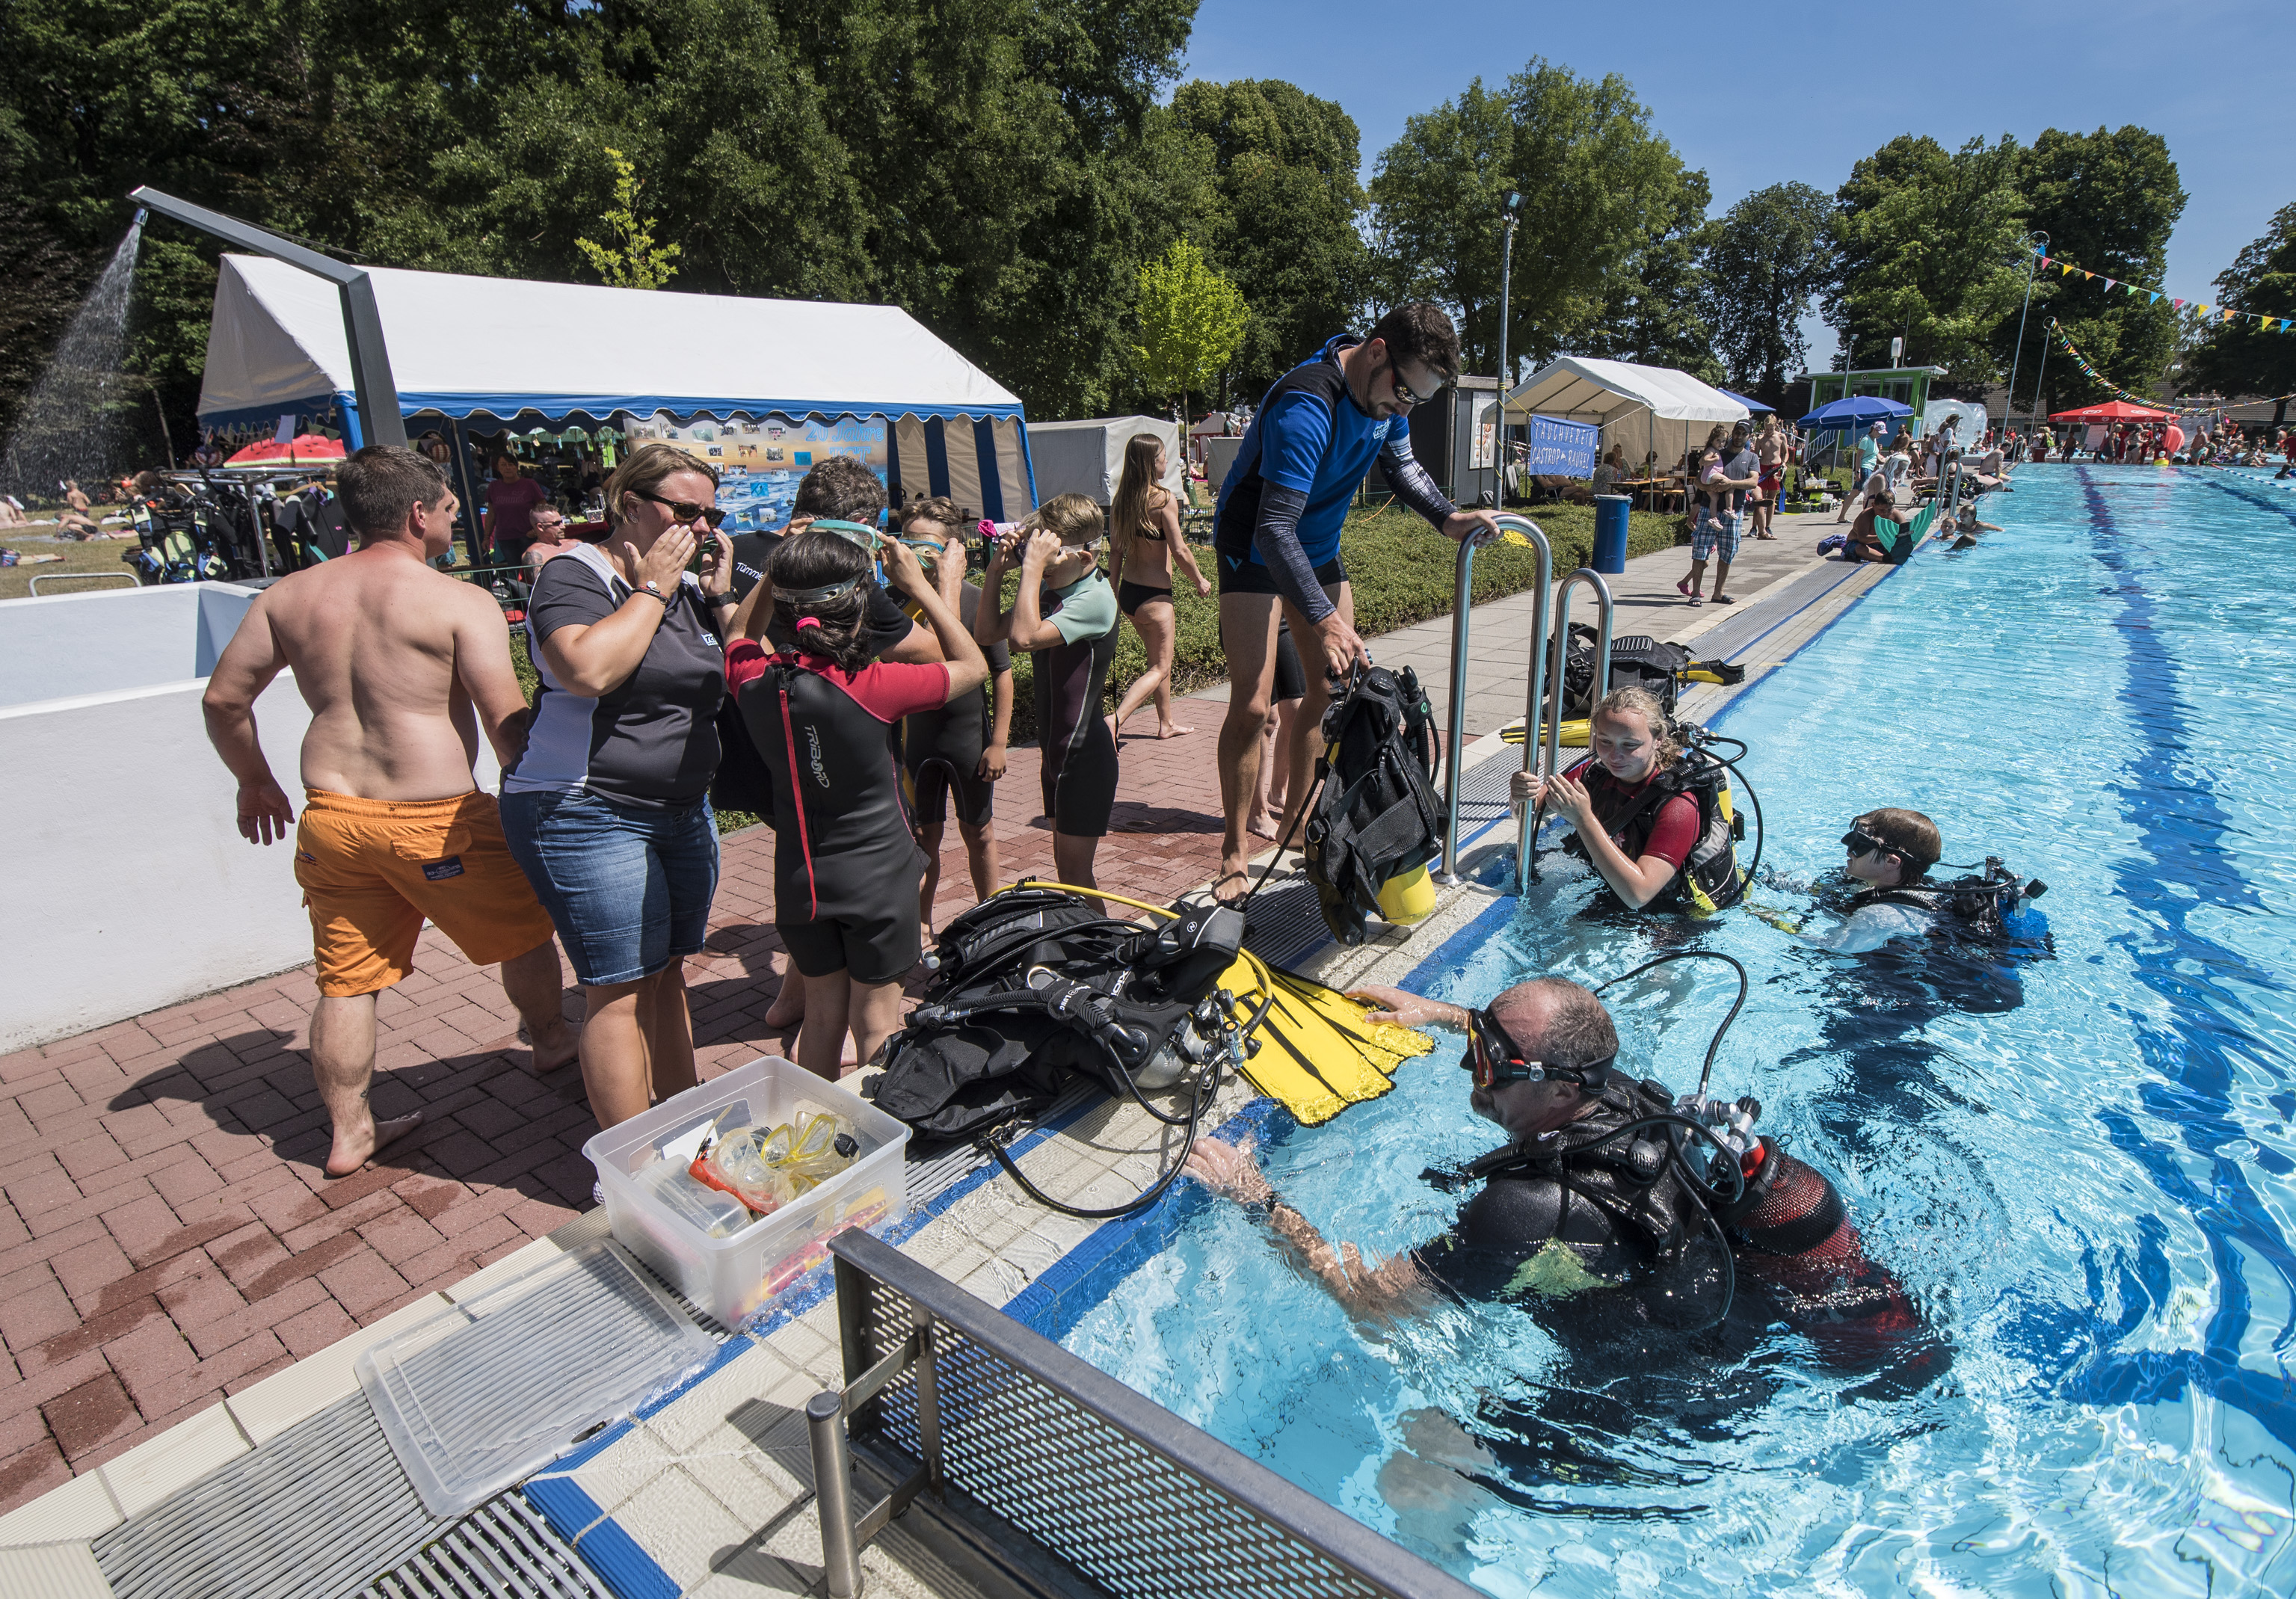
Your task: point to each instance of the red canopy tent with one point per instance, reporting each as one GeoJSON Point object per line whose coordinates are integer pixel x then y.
{"type": "Point", "coordinates": [2113, 411]}
{"type": "Point", "coordinates": [303, 447]}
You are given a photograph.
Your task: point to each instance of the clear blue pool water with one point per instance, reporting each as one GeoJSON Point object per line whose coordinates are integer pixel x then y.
{"type": "Point", "coordinates": [2089, 1192]}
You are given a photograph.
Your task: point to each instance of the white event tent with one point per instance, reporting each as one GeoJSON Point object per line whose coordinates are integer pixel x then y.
{"type": "Point", "coordinates": [1087, 457]}
{"type": "Point", "coordinates": [499, 350]}
{"type": "Point", "coordinates": [1648, 409]}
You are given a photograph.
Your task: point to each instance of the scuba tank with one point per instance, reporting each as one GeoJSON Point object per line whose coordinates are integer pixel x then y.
{"type": "Point", "coordinates": [1375, 817]}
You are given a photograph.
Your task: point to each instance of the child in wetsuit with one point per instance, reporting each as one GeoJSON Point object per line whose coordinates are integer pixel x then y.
{"type": "Point", "coordinates": [1065, 615]}
{"type": "Point", "coordinates": [845, 856]}
{"type": "Point", "coordinates": [958, 750]}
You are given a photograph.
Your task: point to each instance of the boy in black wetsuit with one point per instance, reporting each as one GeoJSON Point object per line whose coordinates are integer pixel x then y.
{"type": "Point", "coordinates": [1065, 615]}
{"type": "Point", "coordinates": [957, 751]}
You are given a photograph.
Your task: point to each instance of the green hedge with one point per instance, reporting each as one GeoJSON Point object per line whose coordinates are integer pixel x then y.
{"type": "Point", "coordinates": [1401, 571]}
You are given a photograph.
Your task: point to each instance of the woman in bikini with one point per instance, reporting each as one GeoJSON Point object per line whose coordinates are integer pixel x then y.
{"type": "Point", "coordinates": [1144, 529]}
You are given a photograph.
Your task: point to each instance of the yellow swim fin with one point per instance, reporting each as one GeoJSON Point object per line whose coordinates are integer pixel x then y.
{"type": "Point", "coordinates": [1573, 734]}
{"type": "Point", "coordinates": [1317, 1053]}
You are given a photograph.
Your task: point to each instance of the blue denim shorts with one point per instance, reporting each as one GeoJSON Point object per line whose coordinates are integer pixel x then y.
{"type": "Point", "coordinates": [628, 889]}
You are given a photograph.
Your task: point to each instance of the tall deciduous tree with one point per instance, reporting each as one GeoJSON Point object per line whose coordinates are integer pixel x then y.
{"type": "Point", "coordinates": [987, 164]}
{"type": "Point", "coordinates": [1284, 163]}
{"type": "Point", "coordinates": [2239, 357]}
{"type": "Point", "coordinates": [1609, 218]}
{"type": "Point", "coordinates": [2107, 200]}
{"type": "Point", "coordinates": [1771, 254]}
{"type": "Point", "coordinates": [1928, 247]}
{"type": "Point", "coordinates": [1192, 321]}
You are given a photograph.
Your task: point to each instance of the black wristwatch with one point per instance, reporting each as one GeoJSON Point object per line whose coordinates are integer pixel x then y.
{"type": "Point", "coordinates": [1266, 1207]}
{"type": "Point", "coordinates": [725, 599]}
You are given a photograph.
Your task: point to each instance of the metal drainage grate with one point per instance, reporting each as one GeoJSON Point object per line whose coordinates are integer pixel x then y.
{"type": "Point", "coordinates": [312, 1514]}
{"type": "Point", "coordinates": [503, 1550]}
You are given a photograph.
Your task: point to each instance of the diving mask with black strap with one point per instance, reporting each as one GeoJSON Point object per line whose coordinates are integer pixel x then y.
{"type": "Point", "coordinates": [866, 538]}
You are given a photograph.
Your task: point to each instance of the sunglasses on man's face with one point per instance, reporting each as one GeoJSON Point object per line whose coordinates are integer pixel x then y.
{"type": "Point", "coordinates": [1404, 392]}
{"type": "Point", "coordinates": [684, 512]}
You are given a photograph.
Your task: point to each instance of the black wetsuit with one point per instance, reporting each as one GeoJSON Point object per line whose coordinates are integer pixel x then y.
{"type": "Point", "coordinates": [940, 748]}
{"type": "Point", "coordinates": [1626, 1266]}
{"type": "Point", "coordinates": [846, 863]}
{"type": "Point", "coordinates": [1079, 756]}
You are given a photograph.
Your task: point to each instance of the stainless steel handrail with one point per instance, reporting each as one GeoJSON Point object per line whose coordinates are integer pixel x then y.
{"type": "Point", "coordinates": [1955, 473]}
{"type": "Point", "coordinates": [1462, 597]}
{"type": "Point", "coordinates": [1598, 687]}
{"type": "Point", "coordinates": [34, 586]}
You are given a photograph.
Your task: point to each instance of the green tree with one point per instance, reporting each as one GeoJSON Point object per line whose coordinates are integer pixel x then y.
{"type": "Point", "coordinates": [2108, 202]}
{"type": "Point", "coordinates": [1192, 322]}
{"type": "Point", "coordinates": [1610, 220]}
{"type": "Point", "coordinates": [1771, 253]}
{"type": "Point", "coordinates": [2238, 356]}
{"type": "Point", "coordinates": [989, 165]}
{"type": "Point", "coordinates": [1283, 165]}
{"type": "Point", "coordinates": [630, 259]}
{"type": "Point", "coordinates": [1927, 242]}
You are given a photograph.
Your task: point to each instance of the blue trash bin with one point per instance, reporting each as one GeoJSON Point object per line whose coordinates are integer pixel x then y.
{"type": "Point", "coordinates": [1610, 533]}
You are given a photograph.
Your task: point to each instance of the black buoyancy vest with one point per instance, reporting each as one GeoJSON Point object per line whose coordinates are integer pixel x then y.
{"type": "Point", "coordinates": [1238, 515]}
{"type": "Point", "coordinates": [1710, 879]}
{"type": "Point", "coordinates": [1376, 815]}
{"type": "Point", "coordinates": [1032, 984]}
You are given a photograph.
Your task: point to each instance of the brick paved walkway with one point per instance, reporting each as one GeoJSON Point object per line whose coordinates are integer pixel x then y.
{"type": "Point", "coordinates": [167, 1237]}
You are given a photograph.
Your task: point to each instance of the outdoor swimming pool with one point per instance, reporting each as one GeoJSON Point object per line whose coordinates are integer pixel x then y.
{"type": "Point", "coordinates": [2083, 1167]}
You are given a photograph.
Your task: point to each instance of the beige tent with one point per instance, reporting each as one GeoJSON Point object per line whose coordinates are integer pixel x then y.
{"type": "Point", "coordinates": [1651, 410]}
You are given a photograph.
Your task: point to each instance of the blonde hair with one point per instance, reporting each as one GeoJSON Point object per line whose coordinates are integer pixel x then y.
{"type": "Point", "coordinates": [1137, 489]}
{"type": "Point", "coordinates": [643, 470]}
{"type": "Point", "coordinates": [1075, 517]}
{"type": "Point", "coordinates": [1644, 704]}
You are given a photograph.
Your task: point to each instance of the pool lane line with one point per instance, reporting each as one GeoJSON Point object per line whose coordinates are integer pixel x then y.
{"type": "Point", "coordinates": [2194, 1067]}
{"type": "Point", "coordinates": [2242, 495]}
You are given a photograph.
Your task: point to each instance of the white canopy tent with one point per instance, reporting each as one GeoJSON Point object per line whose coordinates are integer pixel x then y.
{"type": "Point", "coordinates": [502, 348]}
{"type": "Point", "coordinates": [1651, 410]}
{"type": "Point", "coordinates": [1087, 457]}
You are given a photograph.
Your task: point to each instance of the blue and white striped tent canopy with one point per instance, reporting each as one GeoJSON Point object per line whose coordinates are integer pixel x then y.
{"type": "Point", "coordinates": [492, 351]}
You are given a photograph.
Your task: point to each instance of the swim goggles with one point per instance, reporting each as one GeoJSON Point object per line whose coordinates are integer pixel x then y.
{"type": "Point", "coordinates": [1495, 1059]}
{"type": "Point", "coordinates": [853, 533]}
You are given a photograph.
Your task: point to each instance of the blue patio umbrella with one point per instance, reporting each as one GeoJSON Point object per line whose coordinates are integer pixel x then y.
{"type": "Point", "coordinates": [1855, 411]}
{"type": "Point", "coordinates": [1755, 405]}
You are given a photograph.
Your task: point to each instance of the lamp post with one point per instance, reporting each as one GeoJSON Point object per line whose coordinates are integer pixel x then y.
{"type": "Point", "coordinates": [2039, 374]}
{"type": "Point", "coordinates": [374, 392]}
{"type": "Point", "coordinates": [2032, 262]}
{"type": "Point", "coordinates": [1506, 269]}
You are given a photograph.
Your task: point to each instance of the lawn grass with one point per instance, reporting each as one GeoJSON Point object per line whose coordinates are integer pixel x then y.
{"type": "Point", "coordinates": [1401, 571]}
{"type": "Point", "coordinates": [98, 556]}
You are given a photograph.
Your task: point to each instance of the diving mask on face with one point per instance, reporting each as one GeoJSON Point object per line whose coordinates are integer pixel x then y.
{"type": "Point", "coordinates": [1496, 1059]}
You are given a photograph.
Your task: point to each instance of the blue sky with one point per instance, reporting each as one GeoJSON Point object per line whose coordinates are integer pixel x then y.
{"type": "Point", "coordinates": [1771, 94]}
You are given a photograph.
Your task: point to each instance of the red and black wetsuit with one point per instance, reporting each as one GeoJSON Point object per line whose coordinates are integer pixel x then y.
{"type": "Point", "coordinates": [1667, 829]}
{"type": "Point", "coordinates": [845, 864]}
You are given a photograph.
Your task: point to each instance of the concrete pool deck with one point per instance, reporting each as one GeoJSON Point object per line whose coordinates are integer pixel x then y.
{"type": "Point", "coordinates": [179, 1285]}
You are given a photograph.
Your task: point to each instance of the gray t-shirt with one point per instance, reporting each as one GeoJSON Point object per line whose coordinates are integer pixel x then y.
{"type": "Point", "coordinates": [650, 742]}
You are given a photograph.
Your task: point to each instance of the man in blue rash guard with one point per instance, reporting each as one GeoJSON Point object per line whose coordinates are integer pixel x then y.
{"type": "Point", "coordinates": [1277, 535]}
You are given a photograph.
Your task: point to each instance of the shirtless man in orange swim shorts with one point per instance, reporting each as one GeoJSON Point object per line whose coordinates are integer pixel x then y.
{"type": "Point", "coordinates": [402, 666]}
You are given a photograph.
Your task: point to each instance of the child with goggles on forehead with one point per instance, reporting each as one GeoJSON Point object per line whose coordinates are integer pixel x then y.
{"type": "Point", "coordinates": [821, 712]}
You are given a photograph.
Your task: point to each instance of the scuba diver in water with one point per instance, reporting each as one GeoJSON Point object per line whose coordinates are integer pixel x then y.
{"type": "Point", "coordinates": [1925, 948]}
{"type": "Point", "coordinates": [1599, 1189]}
{"type": "Point", "coordinates": [1654, 820]}
{"type": "Point", "coordinates": [1605, 1215]}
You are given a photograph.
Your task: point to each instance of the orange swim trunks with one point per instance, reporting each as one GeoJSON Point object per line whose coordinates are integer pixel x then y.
{"type": "Point", "coordinates": [373, 870]}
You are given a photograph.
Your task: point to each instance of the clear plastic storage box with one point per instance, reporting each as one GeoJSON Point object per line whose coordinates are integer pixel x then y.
{"type": "Point", "coordinates": [730, 1277]}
